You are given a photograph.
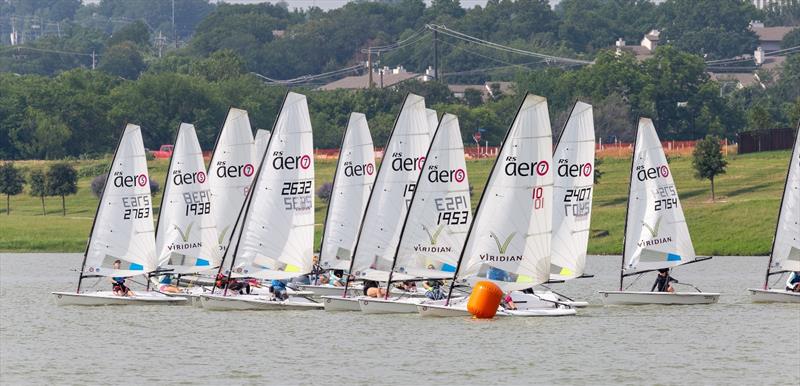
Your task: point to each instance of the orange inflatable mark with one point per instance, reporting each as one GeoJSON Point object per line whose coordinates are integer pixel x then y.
{"type": "Point", "coordinates": [484, 299]}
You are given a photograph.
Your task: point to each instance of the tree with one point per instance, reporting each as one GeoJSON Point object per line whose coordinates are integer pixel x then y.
{"type": "Point", "coordinates": [62, 180]}
{"type": "Point", "coordinates": [38, 186]}
{"type": "Point", "coordinates": [324, 192]}
{"type": "Point", "coordinates": [11, 181]}
{"type": "Point", "coordinates": [708, 161]}
{"type": "Point", "coordinates": [123, 60]}
{"type": "Point", "coordinates": [473, 97]}
{"type": "Point", "coordinates": [136, 33]}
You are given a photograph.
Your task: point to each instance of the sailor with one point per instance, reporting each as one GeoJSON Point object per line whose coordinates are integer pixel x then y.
{"type": "Point", "coordinates": [279, 289]}
{"type": "Point", "coordinates": [118, 282]}
{"type": "Point", "coordinates": [372, 289]}
{"type": "Point", "coordinates": [793, 284]}
{"type": "Point", "coordinates": [663, 281]}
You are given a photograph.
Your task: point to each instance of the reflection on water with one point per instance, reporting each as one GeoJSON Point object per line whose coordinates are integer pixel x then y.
{"type": "Point", "coordinates": [731, 342]}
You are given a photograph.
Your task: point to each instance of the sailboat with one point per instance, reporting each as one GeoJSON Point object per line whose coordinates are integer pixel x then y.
{"type": "Point", "coordinates": [439, 215]}
{"type": "Point", "coordinates": [276, 238]}
{"type": "Point", "coordinates": [261, 140]}
{"type": "Point", "coordinates": [121, 242]}
{"type": "Point", "coordinates": [509, 240]}
{"type": "Point", "coordinates": [656, 235]}
{"type": "Point", "coordinates": [573, 185]}
{"type": "Point", "coordinates": [352, 183]}
{"type": "Point", "coordinates": [433, 121]}
{"type": "Point", "coordinates": [785, 255]}
{"type": "Point", "coordinates": [387, 207]}
{"type": "Point", "coordinates": [186, 236]}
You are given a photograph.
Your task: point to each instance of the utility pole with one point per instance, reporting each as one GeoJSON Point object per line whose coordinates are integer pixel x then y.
{"type": "Point", "coordinates": [369, 66]}
{"type": "Point", "coordinates": [436, 54]}
{"type": "Point", "coordinates": [174, 31]}
{"type": "Point", "coordinates": [93, 60]}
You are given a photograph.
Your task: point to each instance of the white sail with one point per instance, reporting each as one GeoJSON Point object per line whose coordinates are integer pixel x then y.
{"type": "Point", "coordinates": [123, 226]}
{"type": "Point", "coordinates": [230, 172]}
{"type": "Point", "coordinates": [433, 120]}
{"type": "Point", "coordinates": [656, 233]}
{"type": "Point", "coordinates": [403, 158]}
{"type": "Point", "coordinates": [262, 139]}
{"type": "Point", "coordinates": [186, 236]}
{"type": "Point", "coordinates": [573, 185]}
{"type": "Point", "coordinates": [509, 241]}
{"type": "Point", "coordinates": [439, 216]}
{"type": "Point", "coordinates": [355, 174]}
{"type": "Point", "coordinates": [786, 247]}
{"type": "Point", "coordinates": [277, 235]}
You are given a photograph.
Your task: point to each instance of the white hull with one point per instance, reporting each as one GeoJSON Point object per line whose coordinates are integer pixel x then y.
{"type": "Point", "coordinates": [440, 310]}
{"type": "Point", "coordinates": [538, 312]}
{"type": "Point", "coordinates": [561, 299]}
{"type": "Point", "coordinates": [388, 306]}
{"type": "Point", "coordinates": [329, 290]}
{"type": "Point", "coordinates": [666, 298]}
{"type": "Point", "coordinates": [107, 298]}
{"type": "Point", "coordinates": [527, 306]}
{"type": "Point", "coordinates": [773, 296]}
{"type": "Point", "coordinates": [338, 303]}
{"type": "Point", "coordinates": [255, 302]}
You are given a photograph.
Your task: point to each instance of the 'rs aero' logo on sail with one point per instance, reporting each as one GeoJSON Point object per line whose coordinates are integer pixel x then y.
{"type": "Point", "coordinates": [644, 174]}
{"type": "Point", "coordinates": [525, 169]}
{"type": "Point", "coordinates": [130, 181]}
{"type": "Point", "coordinates": [502, 247]}
{"type": "Point", "coordinates": [290, 162]}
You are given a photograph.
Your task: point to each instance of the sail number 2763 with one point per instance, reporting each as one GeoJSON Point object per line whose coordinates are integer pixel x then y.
{"type": "Point", "coordinates": [136, 207]}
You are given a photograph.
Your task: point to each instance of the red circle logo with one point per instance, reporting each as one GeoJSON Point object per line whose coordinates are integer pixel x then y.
{"type": "Point", "coordinates": [459, 175]}
{"type": "Point", "coordinates": [248, 170]}
{"type": "Point", "coordinates": [141, 180]}
{"type": "Point", "coordinates": [421, 162]}
{"type": "Point", "coordinates": [664, 171]}
{"type": "Point", "coordinates": [587, 169]}
{"type": "Point", "coordinates": [201, 177]}
{"type": "Point", "coordinates": [542, 168]}
{"type": "Point", "coordinates": [305, 161]}
{"type": "Point", "coordinates": [370, 169]}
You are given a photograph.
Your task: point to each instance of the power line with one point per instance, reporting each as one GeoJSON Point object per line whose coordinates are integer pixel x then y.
{"type": "Point", "coordinates": [18, 48]}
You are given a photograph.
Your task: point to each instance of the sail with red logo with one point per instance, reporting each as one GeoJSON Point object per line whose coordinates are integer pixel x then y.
{"type": "Point", "coordinates": [277, 224]}
{"type": "Point", "coordinates": [186, 236]}
{"type": "Point", "coordinates": [573, 164]}
{"type": "Point", "coordinates": [230, 172]}
{"type": "Point", "coordinates": [509, 241]}
{"type": "Point", "coordinates": [352, 182]}
{"type": "Point", "coordinates": [656, 235]}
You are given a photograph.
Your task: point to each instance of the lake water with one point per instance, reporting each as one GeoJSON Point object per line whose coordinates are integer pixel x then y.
{"type": "Point", "coordinates": [730, 342]}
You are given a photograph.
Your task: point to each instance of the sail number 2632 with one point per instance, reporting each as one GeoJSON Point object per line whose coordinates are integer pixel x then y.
{"type": "Point", "coordinates": [297, 195]}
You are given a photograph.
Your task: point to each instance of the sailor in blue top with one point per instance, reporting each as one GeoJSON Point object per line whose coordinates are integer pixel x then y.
{"type": "Point", "coordinates": [793, 284]}
{"type": "Point", "coordinates": [118, 282]}
{"type": "Point", "coordinates": [279, 289]}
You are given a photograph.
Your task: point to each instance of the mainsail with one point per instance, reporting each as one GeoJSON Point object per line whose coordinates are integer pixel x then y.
{"type": "Point", "coordinates": [230, 172]}
{"type": "Point", "coordinates": [123, 225]}
{"type": "Point", "coordinates": [262, 139]}
{"type": "Point", "coordinates": [277, 234]}
{"type": "Point", "coordinates": [186, 236]}
{"type": "Point", "coordinates": [439, 215]}
{"type": "Point", "coordinates": [509, 240]}
{"type": "Point", "coordinates": [573, 163]}
{"type": "Point", "coordinates": [656, 235]}
{"type": "Point", "coordinates": [352, 182]}
{"type": "Point", "coordinates": [403, 158]}
{"type": "Point", "coordinates": [786, 246]}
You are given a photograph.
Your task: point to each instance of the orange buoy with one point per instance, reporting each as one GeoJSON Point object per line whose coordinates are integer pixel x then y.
{"type": "Point", "coordinates": [484, 299]}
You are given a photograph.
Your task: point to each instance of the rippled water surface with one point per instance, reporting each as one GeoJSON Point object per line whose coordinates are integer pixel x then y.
{"type": "Point", "coordinates": [730, 342]}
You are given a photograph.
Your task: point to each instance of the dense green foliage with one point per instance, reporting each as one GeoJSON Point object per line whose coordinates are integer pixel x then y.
{"type": "Point", "coordinates": [37, 186]}
{"type": "Point", "coordinates": [11, 181]}
{"type": "Point", "coordinates": [707, 160]}
{"type": "Point", "coordinates": [62, 180]}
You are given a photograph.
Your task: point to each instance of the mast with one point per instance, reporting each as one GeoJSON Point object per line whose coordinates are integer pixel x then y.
{"type": "Point", "coordinates": [249, 200]}
{"type": "Point", "coordinates": [405, 221]}
{"type": "Point", "coordinates": [627, 208]}
{"type": "Point", "coordinates": [371, 193]}
{"type": "Point", "coordinates": [483, 195]}
{"type": "Point", "coordinates": [99, 204]}
{"type": "Point", "coordinates": [780, 210]}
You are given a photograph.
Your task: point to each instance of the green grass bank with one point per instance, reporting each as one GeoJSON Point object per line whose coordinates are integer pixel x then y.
{"type": "Point", "coordinates": [740, 222]}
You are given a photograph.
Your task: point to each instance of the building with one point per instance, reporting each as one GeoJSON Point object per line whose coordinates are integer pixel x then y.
{"type": "Point", "coordinates": [769, 38]}
{"type": "Point", "coordinates": [645, 48]}
{"type": "Point", "coordinates": [487, 89]}
{"type": "Point", "coordinates": [384, 77]}
{"type": "Point", "coordinates": [766, 4]}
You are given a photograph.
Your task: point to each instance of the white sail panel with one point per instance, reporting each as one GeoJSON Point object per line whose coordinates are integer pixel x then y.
{"type": "Point", "coordinates": [262, 139]}
{"type": "Point", "coordinates": [573, 163]}
{"type": "Point", "coordinates": [509, 242]}
{"type": "Point", "coordinates": [439, 216]}
{"type": "Point", "coordinates": [123, 226]}
{"type": "Point", "coordinates": [433, 121]}
{"type": "Point", "coordinates": [394, 186]}
{"type": "Point", "coordinates": [355, 174]}
{"type": "Point", "coordinates": [277, 233]}
{"type": "Point", "coordinates": [786, 248]}
{"type": "Point", "coordinates": [186, 236]}
{"type": "Point", "coordinates": [656, 232]}
{"type": "Point", "coordinates": [230, 172]}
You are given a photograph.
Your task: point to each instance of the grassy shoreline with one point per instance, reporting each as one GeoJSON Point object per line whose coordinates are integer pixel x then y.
{"type": "Point", "coordinates": [740, 222]}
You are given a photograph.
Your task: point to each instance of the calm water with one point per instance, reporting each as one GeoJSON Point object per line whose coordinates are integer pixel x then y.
{"type": "Point", "coordinates": [731, 342]}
